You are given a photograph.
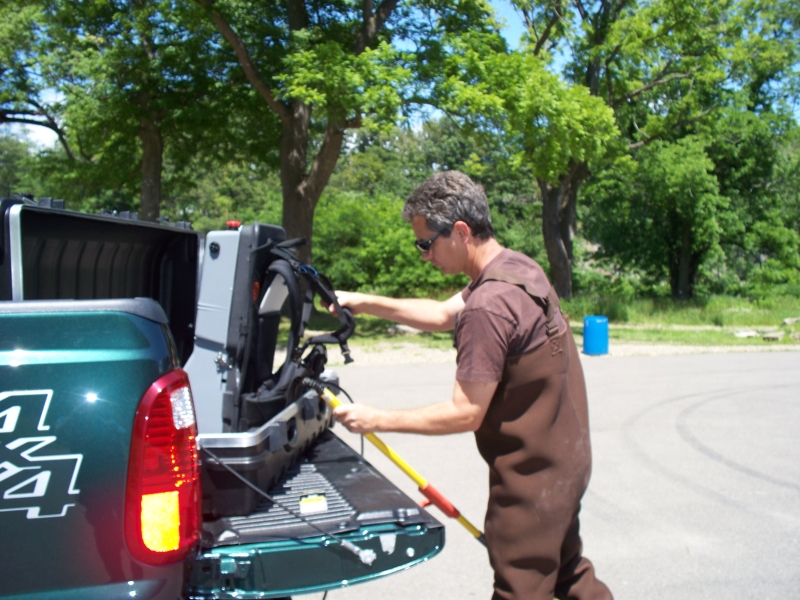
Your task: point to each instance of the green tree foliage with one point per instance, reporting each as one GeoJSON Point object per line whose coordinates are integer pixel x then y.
{"type": "Point", "coordinates": [786, 183]}
{"type": "Point", "coordinates": [391, 165]}
{"type": "Point", "coordinates": [231, 191]}
{"type": "Point", "coordinates": [327, 67]}
{"type": "Point", "coordinates": [24, 69]}
{"type": "Point", "coordinates": [553, 131]}
{"type": "Point", "coordinates": [778, 265]}
{"type": "Point", "coordinates": [364, 244]}
{"type": "Point", "coordinates": [658, 65]}
{"type": "Point", "coordinates": [141, 92]}
{"type": "Point", "coordinates": [671, 70]}
{"type": "Point", "coordinates": [678, 114]}
{"type": "Point", "coordinates": [745, 148]}
{"type": "Point", "coordinates": [361, 241]}
{"type": "Point", "coordinates": [766, 55]}
{"type": "Point", "coordinates": [15, 162]}
{"type": "Point", "coordinates": [659, 70]}
{"type": "Point", "coordinates": [661, 214]}
{"type": "Point", "coordinates": [544, 121]}
{"type": "Point", "coordinates": [139, 76]}
{"type": "Point", "coordinates": [753, 166]}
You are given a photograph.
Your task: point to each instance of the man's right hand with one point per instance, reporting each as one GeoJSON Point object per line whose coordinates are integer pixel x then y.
{"type": "Point", "coordinates": [357, 418]}
{"type": "Point", "coordinates": [355, 301]}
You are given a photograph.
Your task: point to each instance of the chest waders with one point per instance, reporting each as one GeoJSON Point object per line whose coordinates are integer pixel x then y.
{"type": "Point", "coordinates": [535, 439]}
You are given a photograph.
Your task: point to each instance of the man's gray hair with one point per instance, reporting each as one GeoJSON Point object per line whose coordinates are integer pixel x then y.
{"type": "Point", "coordinates": [447, 197]}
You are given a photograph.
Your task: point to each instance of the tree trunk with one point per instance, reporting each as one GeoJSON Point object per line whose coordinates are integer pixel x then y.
{"type": "Point", "coordinates": [298, 212]}
{"type": "Point", "coordinates": [302, 186]}
{"type": "Point", "coordinates": [568, 223]}
{"type": "Point", "coordinates": [152, 159]}
{"type": "Point", "coordinates": [682, 290]}
{"type": "Point", "coordinates": [559, 217]}
{"type": "Point", "coordinates": [560, 265]}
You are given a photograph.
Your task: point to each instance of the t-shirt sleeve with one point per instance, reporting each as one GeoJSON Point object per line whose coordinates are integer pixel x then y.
{"type": "Point", "coordinates": [482, 341]}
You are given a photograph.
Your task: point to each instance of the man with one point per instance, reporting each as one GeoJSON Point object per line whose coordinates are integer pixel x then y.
{"type": "Point", "coordinates": [519, 386]}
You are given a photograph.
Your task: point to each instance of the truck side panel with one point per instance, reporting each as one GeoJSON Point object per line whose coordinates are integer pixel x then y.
{"type": "Point", "coordinates": [70, 384]}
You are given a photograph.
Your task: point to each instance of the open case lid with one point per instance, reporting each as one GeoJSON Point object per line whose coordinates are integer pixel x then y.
{"type": "Point", "coordinates": [56, 254]}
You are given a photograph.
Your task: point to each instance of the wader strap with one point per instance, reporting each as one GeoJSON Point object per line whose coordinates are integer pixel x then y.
{"type": "Point", "coordinates": [553, 307]}
{"type": "Point", "coordinates": [535, 289]}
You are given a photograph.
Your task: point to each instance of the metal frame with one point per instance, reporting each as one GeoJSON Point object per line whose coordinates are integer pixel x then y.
{"type": "Point", "coordinates": [15, 247]}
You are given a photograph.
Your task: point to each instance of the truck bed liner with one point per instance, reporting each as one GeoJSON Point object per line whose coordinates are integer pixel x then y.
{"type": "Point", "coordinates": [355, 492]}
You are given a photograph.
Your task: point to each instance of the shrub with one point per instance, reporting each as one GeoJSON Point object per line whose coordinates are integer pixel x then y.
{"type": "Point", "coordinates": [363, 244]}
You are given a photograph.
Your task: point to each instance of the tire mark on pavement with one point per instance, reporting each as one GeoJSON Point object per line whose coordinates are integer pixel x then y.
{"type": "Point", "coordinates": [685, 432]}
{"type": "Point", "coordinates": [630, 426]}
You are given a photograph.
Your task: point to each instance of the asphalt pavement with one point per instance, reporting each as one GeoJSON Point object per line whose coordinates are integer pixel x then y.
{"type": "Point", "coordinates": [695, 491]}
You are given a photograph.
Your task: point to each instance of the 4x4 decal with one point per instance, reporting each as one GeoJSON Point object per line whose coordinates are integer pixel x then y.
{"type": "Point", "coordinates": [32, 480]}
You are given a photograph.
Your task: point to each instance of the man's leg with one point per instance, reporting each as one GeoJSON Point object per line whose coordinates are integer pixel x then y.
{"type": "Point", "coordinates": [525, 555]}
{"type": "Point", "coordinates": [576, 577]}
{"type": "Point", "coordinates": [526, 580]}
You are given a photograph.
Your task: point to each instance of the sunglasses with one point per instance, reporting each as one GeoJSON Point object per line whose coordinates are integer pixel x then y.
{"type": "Point", "coordinates": [425, 245]}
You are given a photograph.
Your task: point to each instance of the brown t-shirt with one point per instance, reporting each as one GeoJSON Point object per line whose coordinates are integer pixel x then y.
{"type": "Point", "coordinates": [499, 320]}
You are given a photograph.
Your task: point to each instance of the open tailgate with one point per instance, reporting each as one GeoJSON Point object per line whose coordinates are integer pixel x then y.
{"type": "Point", "coordinates": [271, 553]}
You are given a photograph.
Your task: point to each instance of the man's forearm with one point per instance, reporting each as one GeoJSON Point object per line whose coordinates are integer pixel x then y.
{"type": "Point", "coordinates": [435, 419]}
{"type": "Point", "coordinates": [464, 412]}
{"type": "Point", "coordinates": [421, 313]}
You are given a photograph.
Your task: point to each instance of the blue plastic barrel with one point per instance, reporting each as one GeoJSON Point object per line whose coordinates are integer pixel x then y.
{"type": "Point", "coordinates": [595, 335]}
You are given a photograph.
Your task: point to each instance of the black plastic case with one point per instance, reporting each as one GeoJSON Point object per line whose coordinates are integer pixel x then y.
{"type": "Point", "coordinates": [261, 456]}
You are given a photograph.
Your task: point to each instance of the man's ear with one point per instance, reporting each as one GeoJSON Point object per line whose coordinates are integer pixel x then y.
{"type": "Point", "coordinates": [462, 230]}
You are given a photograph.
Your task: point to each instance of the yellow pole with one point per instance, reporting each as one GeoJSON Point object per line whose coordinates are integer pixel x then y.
{"type": "Point", "coordinates": [432, 494]}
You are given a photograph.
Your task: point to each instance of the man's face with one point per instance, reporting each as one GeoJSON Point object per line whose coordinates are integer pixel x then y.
{"type": "Point", "coordinates": [443, 253]}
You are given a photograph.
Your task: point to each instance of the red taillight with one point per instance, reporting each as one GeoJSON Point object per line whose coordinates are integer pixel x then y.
{"type": "Point", "coordinates": [162, 511]}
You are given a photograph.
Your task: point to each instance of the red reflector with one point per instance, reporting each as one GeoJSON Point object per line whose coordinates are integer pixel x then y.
{"type": "Point", "coordinates": [162, 516]}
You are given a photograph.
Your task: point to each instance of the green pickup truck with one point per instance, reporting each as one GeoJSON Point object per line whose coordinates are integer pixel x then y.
{"type": "Point", "coordinates": [149, 446]}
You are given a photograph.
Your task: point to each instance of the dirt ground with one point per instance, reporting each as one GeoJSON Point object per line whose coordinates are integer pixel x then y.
{"type": "Point", "coordinates": [404, 352]}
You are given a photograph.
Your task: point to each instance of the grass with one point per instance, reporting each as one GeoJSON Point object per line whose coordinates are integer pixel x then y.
{"type": "Point", "coordinates": [692, 337]}
{"type": "Point", "coordinates": [710, 322]}
{"type": "Point", "coordinates": [719, 311]}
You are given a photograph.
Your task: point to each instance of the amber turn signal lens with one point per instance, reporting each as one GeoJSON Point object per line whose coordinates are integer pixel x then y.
{"type": "Point", "coordinates": [161, 521]}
